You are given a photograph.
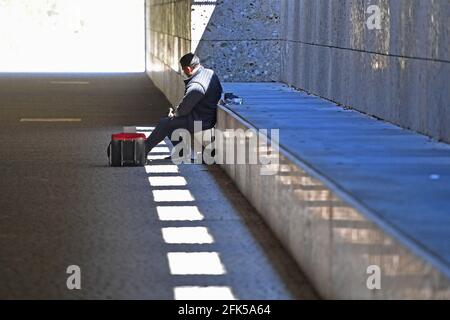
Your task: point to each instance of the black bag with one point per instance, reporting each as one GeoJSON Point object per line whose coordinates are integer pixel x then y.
{"type": "Point", "coordinates": [127, 149]}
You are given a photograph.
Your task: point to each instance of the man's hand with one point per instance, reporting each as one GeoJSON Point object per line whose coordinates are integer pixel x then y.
{"type": "Point", "coordinates": [171, 113]}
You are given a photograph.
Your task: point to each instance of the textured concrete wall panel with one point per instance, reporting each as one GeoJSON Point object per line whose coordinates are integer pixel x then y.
{"type": "Point", "coordinates": [410, 28]}
{"type": "Point", "coordinates": [168, 39]}
{"type": "Point", "coordinates": [239, 39]}
{"type": "Point", "coordinates": [242, 61]}
{"type": "Point", "coordinates": [399, 73]}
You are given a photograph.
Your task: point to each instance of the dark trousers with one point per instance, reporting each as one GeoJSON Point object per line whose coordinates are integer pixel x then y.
{"type": "Point", "coordinates": [165, 128]}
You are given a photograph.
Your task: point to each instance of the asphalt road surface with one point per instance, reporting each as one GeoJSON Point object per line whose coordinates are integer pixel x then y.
{"type": "Point", "coordinates": [160, 232]}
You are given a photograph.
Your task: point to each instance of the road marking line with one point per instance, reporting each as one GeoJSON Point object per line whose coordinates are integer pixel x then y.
{"type": "Point", "coordinates": [70, 82]}
{"type": "Point", "coordinates": [50, 120]}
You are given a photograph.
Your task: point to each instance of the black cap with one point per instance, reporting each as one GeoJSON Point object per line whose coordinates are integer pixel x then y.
{"type": "Point", "coordinates": [189, 60]}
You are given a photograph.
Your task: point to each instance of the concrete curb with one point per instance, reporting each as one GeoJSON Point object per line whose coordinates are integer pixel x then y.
{"type": "Point", "coordinates": [333, 237]}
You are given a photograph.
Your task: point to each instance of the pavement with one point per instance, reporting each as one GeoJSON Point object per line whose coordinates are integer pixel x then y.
{"type": "Point", "coordinates": [159, 232]}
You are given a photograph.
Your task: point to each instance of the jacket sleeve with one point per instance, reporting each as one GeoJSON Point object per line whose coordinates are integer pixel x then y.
{"type": "Point", "coordinates": [194, 93]}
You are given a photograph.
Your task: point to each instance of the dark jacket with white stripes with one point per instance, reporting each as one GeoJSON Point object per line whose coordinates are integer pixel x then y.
{"type": "Point", "coordinates": [202, 94]}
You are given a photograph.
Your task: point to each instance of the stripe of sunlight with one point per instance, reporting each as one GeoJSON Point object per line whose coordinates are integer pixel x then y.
{"type": "Point", "coordinates": [186, 263]}
{"type": "Point", "coordinates": [203, 293]}
{"type": "Point", "coordinates": [159, 152]}
{"type": "Point", "coordinates": [187, 235]}
{"type": "Point", "coordinates": [157, 156]}
{"type": "Point", "coordinates": [161, 149]}
{"type": "Point", "coordinates": [175, 195]}
{"type": "Point", "coordinates": [162, 169]}
{"type": "Point", "coordinates": [182, 213]}
{"type": "Point", "coordinates": [156, 181]}
{"type": "Point", "coordinates": [147, 131]}
{"type": "Point", "coordinates": [195, 263]}
{"type": "Point", "coordinates": [145, 128]}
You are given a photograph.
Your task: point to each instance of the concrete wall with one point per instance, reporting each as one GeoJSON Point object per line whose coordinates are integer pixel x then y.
{"type": "Point", "coordinates": [168, 33]}
{"type": "Point", "coordinates": [400, 73]}
{"type": "Point", "coordinates": [239, 39]}
{"type": "Point", "coordinates": [327, 233]}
